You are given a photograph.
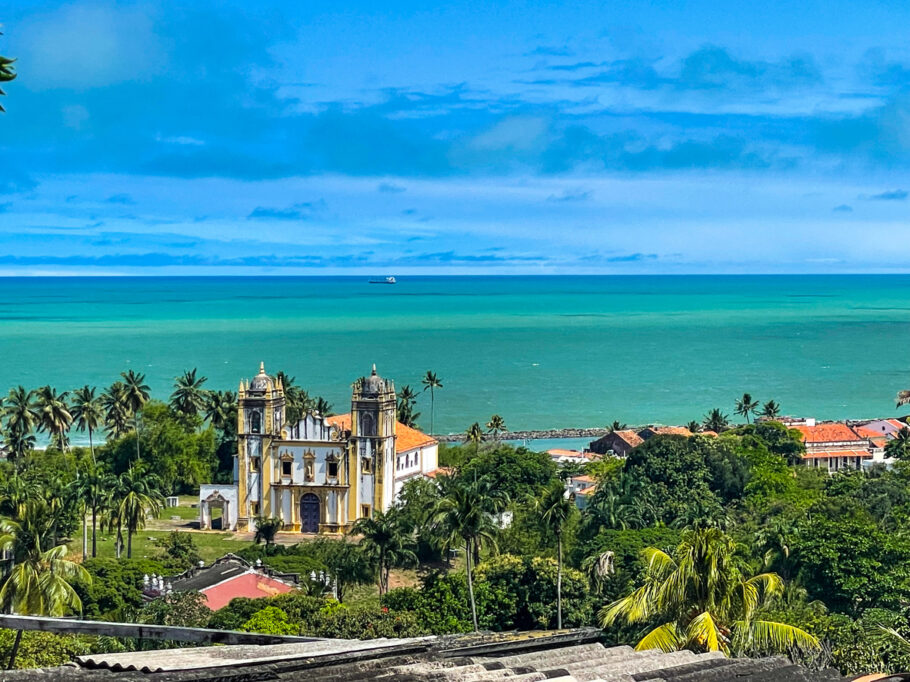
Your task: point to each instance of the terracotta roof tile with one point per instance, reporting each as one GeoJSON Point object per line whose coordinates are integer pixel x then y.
{"type": "Point", "coordinates": [407, 438]}
{"type": "Point", "coordinates": [834, 432]}
{"type": "Point", "coordinates": [441, 471]}
{"type": "Point", "coordinates": [630, 437]}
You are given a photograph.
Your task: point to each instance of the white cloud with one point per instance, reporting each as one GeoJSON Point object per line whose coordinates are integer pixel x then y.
{"type": "Point", "coordinates": [88, 46]}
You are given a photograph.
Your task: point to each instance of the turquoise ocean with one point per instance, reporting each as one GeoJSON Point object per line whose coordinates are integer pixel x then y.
{"type": "Point", "coordinates": [544, 352]}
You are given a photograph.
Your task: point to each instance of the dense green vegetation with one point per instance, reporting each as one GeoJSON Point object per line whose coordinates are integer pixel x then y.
{"type": "Point", "coordinates": [711, 542]}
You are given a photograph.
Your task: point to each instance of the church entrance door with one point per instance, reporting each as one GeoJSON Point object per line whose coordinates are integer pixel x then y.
{"type": "Point", "coordinates": [309, 513]}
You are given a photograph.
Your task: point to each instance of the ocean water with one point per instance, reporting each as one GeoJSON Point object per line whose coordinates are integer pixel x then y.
{"type": "Point", "coordinates": [543, 352]}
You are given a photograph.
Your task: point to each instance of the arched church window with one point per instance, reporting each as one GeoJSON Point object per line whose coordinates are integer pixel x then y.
{"type": "Point", "coordinates": [255, 422]}
{"type": "Point", "coordinates": [367, 424]}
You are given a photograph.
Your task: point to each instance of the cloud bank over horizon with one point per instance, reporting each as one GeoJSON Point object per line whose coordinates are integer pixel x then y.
{"type": "Point", "coordinates": [221, 138]}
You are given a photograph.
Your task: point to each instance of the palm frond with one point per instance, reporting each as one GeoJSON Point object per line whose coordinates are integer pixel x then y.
{"type": "Point", "coordinates": [768, 636]}
{"type": "Point", "coordinates": [665, 637]}
{"type": "Point", "coordinates": [703, 630]}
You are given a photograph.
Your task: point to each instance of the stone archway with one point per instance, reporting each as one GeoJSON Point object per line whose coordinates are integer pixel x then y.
{"type": "Point", "coordinates": [309, 513]}
{"type": "Point", "coordinates": [214, 501]}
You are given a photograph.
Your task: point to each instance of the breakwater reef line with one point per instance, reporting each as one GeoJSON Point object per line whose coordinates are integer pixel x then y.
{"type": "Point", "coordinates": [532, 435]}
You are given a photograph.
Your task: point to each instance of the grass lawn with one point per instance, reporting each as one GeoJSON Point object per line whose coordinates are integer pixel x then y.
{"type": "Point", "coordinates": [210, 544]}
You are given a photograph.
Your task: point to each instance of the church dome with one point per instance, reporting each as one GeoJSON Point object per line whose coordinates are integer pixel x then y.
{"type": "Point", "coordinates": [373, 384]}
{"type": "Point", "coordinates": [261, 382]}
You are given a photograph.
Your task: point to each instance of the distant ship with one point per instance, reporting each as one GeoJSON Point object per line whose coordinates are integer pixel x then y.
{"type": "Point", "coordinates": [387, 280]}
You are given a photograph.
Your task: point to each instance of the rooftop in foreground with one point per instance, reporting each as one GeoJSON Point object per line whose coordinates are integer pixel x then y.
{"type": "Point", "coordinates": [567, 656]}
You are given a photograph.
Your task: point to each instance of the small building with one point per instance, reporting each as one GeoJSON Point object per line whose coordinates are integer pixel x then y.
{"type": "Point", "coordinates": [835, 446]}
{"type": "Point", "coordinates": [227, 578]}
{"type": "Point", "coordinates": [563, 456]}
{"type": "Point", "coordinates": [618, 443]}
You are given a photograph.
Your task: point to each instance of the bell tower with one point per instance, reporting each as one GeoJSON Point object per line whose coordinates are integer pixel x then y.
{"type": "Point", "coordinates": [260, 418]}
{"type": "Point", "coordinates": [372, 448]}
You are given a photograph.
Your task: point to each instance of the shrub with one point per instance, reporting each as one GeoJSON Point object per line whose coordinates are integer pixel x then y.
{"type": "Point", "coordinates": [272, 621]}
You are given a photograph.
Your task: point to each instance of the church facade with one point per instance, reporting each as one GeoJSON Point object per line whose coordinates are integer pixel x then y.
{"type": "Point", "coordinates": [321, 474]}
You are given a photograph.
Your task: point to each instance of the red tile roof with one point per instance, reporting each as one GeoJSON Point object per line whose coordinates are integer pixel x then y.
{"type": "Point", "coordinates": [630, 437]}
{"type": "Point", "coordinates": [587, 491]}
{"type": "Point", "coordinates": [559, 452]}
{"type": "Point", "coordinates": [818, 454]}
{"type": "Point", "coordinates": [441, 471]}
{"type": "Point", "coordinates": [834, 432]}
{"type": "Point", "coordinates": [868, 433]}
{"type": "Point", "coordinates": [251, 585]}
{"type": "Point", "coordinates": [669, 431]}
{"type": "Point", "coordinates": [584, 479]}
{"type": "Point", "coordinates": [407, 438]}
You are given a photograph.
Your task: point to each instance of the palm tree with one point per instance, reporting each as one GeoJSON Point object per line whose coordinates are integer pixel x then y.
{"type": "Point", "coordinates": [899, 446]}
{"type": "Point", "coordinates": [266, 530]}
{"type": "Point", "coordinates": [88, 413]}
{"type": "Point", "coordinates": [404, 412]}
{"type": "Point", "coordinates": [297, 401]}
{"type": "Point", "coordinates": [496, 426]}
{"type": "Point", "coordinates": [53, 414]}
{"type": "Point", "coordinates": [94, 487]}
{"type": "Point", "coordinates": [136, 394]}
{"type": "Point", "coordinates": [136, 496]}
{"type": "Point", "coordinates": [387, 542]}
{"type": "Point", "coordinates": [40, 581]}
{"type": "Point", "coordinates": [745, 406]}
{"type": "Point", "coordinates": [116, 409]}
{"type": "Point", "coordinates": [474, 434]}
{"type": "Point", "coordinates": [617, 425]}
{"type": "Point", "coordinates": [705, 601]}
{"type": "Point", "coordinates": [770, 410]}
{"type": "Point", "coordinates": [21, 412]}
{"type": "Point", "coordinates": [555, 508]}
{"type": "Point", "coordinates": [322, 406]}
{"type": "Point", "coordinates": [467, 513]}
{"type": "Point", "coordinates": [6, 73]}
{"type": "Point", "coordinates": [18, 444]}
{"type": "Point", "coordinates": [188, 398]}
{"type": "Point", "coordinates": [694, 426]}
{"type": "Point", "coordinates": [716, 421]}
{"type": "Point", "coordinates": [432, 382]}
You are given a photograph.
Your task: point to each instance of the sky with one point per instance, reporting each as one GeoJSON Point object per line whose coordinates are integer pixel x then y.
{"type": "Point", "coordinates": [396, 138]}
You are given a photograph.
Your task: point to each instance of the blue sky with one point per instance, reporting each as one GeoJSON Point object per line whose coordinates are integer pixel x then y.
{"type": "Point", "coordinates": [458, 137]}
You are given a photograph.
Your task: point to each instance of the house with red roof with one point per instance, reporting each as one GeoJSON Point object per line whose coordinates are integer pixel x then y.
{"type": "Point", "coordinates": [225, 579]}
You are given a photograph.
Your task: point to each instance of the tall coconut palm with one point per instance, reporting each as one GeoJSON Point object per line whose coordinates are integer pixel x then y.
{"type": "Point", "coordinates": [21, 413]}
{"type": "Point", "coordinates": [705, 601]}
{"type": "Point", "coordinates": [189, 397]}
{"type": "Point", "coordinates": [116, 409]}
{"type": "Point", "coordinates": [405, 409]}
{"type": "Point", "coordinates": [770, 410]}
{"type": "Point", "coordinates": [496, 426]}
{"type": "Point", "coordinates": [94, 487]}
{"type": "Point", "coordinates": [88, 413]}
{"type": "Point", "coordinates": [746, 407]}
{"type": "Point", "coordinates": [467, 513]}
{"type": "Point", "coordinates": [555, 508]}
{"type": "Point", "coordinates": [387, 542]}
{"type": "Point", "coordinates": [431, 382]}
{"type": "Point", "coordinates": [53, 415]}
{"type": "Point", "coordinates": [136, 394]}
{"type": "Point", "coordinates": [221, 410]}
{"type": "Point", "coordinates": [322, 406]}
{"type": "Point", "coordinates": [136, 496]}
{"type": "Point", "coordinates": [716, 421]}
{"type": "Point", "coordinates": [18, 444]}
{"type": "Point", "coordinates": [474, 434]}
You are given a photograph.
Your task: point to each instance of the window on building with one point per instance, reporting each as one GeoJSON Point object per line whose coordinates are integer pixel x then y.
{"type": "Point", "coordinates": [333, 469]}
{"type": "Point", "coordinates": [254, 508]}
{"type": "Point", "coordinates": [365, 511]}
{"type": "Point", "coordinates": [255, 422]}
{"type": "Point", "coordinates": [366, 465]}
{"type": "Point", "coordinates": [286, 468]}
{"type": "Point", "coordinates": [254, 464]}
